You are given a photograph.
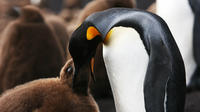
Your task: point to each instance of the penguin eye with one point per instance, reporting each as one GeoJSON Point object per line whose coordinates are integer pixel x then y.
{"type": "Point", "coordinates": [69, 70]}
{"type": "Point", "coordinates": [92, 32]}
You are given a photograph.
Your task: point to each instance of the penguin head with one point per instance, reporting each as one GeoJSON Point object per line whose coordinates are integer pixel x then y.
{"type": "Point", "coordinates": [31, 13]}
{"type": "Point", "coordinates": [84, 39]}
{"type": "Point", "coordinates": [67, 72]}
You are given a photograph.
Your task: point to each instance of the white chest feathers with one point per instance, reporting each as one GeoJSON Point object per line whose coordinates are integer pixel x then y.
{"type": "Point", "coordinates": [126, 62]}
{"type": "Point", "coordinates": [179, 17]}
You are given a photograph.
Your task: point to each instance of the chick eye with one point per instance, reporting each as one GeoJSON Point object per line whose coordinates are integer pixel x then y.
{"type": "Point", "coordinates": [69, 70]}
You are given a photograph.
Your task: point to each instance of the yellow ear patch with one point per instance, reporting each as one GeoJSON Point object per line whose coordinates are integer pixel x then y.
{"type": "Point", "coordinates": [106, 40]}
{"type": "Point", "coordinates": [92, 32]}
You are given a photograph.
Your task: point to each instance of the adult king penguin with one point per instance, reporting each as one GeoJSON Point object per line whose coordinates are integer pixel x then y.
{"type": "Point", "coordinates": [152, 81]}
{"type": "Point", "coordinates": [182, 21]}
{"type": "Point", "coordinates": [195, 80]}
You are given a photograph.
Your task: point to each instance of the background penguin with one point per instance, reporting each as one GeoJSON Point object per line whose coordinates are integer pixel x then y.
{"type": "Point", "coordinates": [30, 50]}
{"type": "Point", "coordinates": [8, 11]}
{"type": "Point", "coordinates": [48, 95]}
{"type": "Point", "coordinates": [193, 95]}
{"type": "Point", "coordinates": [180, 19]}
{"type": "Point", "coordinates": [195, 80]}
{"type": "Point", "coordinates": [164, 83]}
{"type": "Point", "coordinates": [183, 17]}
{"type": "Point", "coordinates": [58, 25]}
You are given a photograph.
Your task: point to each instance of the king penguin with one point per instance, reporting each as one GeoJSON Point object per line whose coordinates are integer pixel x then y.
{"type": "Point", "coordinates": [143, 62]}
{"type": "Point", "coordinates": [195, 80]}
{"type": "Point", "coordinates": [182, 19]}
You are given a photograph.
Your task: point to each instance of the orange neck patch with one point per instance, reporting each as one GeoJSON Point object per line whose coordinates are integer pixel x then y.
{"type": "Point", "coordinates": [106, 40]}
{"type": "Point", "coordinates": [92, 32]}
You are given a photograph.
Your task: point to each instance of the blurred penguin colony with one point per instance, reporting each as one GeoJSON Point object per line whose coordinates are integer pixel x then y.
{"type": "Point", "coordinates": [38, 73]}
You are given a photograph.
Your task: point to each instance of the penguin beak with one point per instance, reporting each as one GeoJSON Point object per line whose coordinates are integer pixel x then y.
{"type": "Point", "coordinates": [92, 69]}
{"type": "Point", "coordinates": [92, 65]}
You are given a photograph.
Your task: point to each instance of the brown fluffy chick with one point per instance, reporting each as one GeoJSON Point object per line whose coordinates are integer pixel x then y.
{"type": "Point", "coordinates": [152, 8]}
{"type": "Point", "coordinates": [58, 25]}
{"type": "Point", "coordinates": [29, 50]}
{"type": "Point", "coordinates": [8, 13]}
{"type": "Point", "coordinates": [48, 95]}
{"type": "Point", "coordinates": [100, 5]}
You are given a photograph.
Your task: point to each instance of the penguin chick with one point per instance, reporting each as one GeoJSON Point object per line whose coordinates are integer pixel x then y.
{"type": "Point", "coordinates": [58, 25]}
{"type": "Point", "coordinates": [100, 5]}
{"type": "Point", "coordinates": [48, 95]}
{"type": "Point", "coordinates": [8, 11]}
{"type": "Point", "coordinates": [72, 3]}
{"type": "Point", "coordinates": [29, 50]}
{"type": "Point", "coordinates": [152, 8]}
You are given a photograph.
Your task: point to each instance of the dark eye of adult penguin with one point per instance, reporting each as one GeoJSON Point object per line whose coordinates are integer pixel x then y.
{"type": "Point", "coordinates": [158, 86]}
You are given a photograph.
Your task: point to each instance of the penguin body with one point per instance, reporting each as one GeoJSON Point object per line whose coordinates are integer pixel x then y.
{"type": "Point", "coordinates": [126, 62]}
{"type": "Point", "coordinates": [164, 82]}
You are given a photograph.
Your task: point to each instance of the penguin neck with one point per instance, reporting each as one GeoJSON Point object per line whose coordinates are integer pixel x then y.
{"type": "Point", "coordinates": [179, 17]}
{"type": "Point", "coordinates": [126, 63]}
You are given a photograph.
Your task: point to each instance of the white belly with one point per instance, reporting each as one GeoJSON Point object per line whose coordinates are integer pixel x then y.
{"type": "Point", "coordinates": [126, 62]}
{"type": "Point", "coordinates": [179, 17]}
